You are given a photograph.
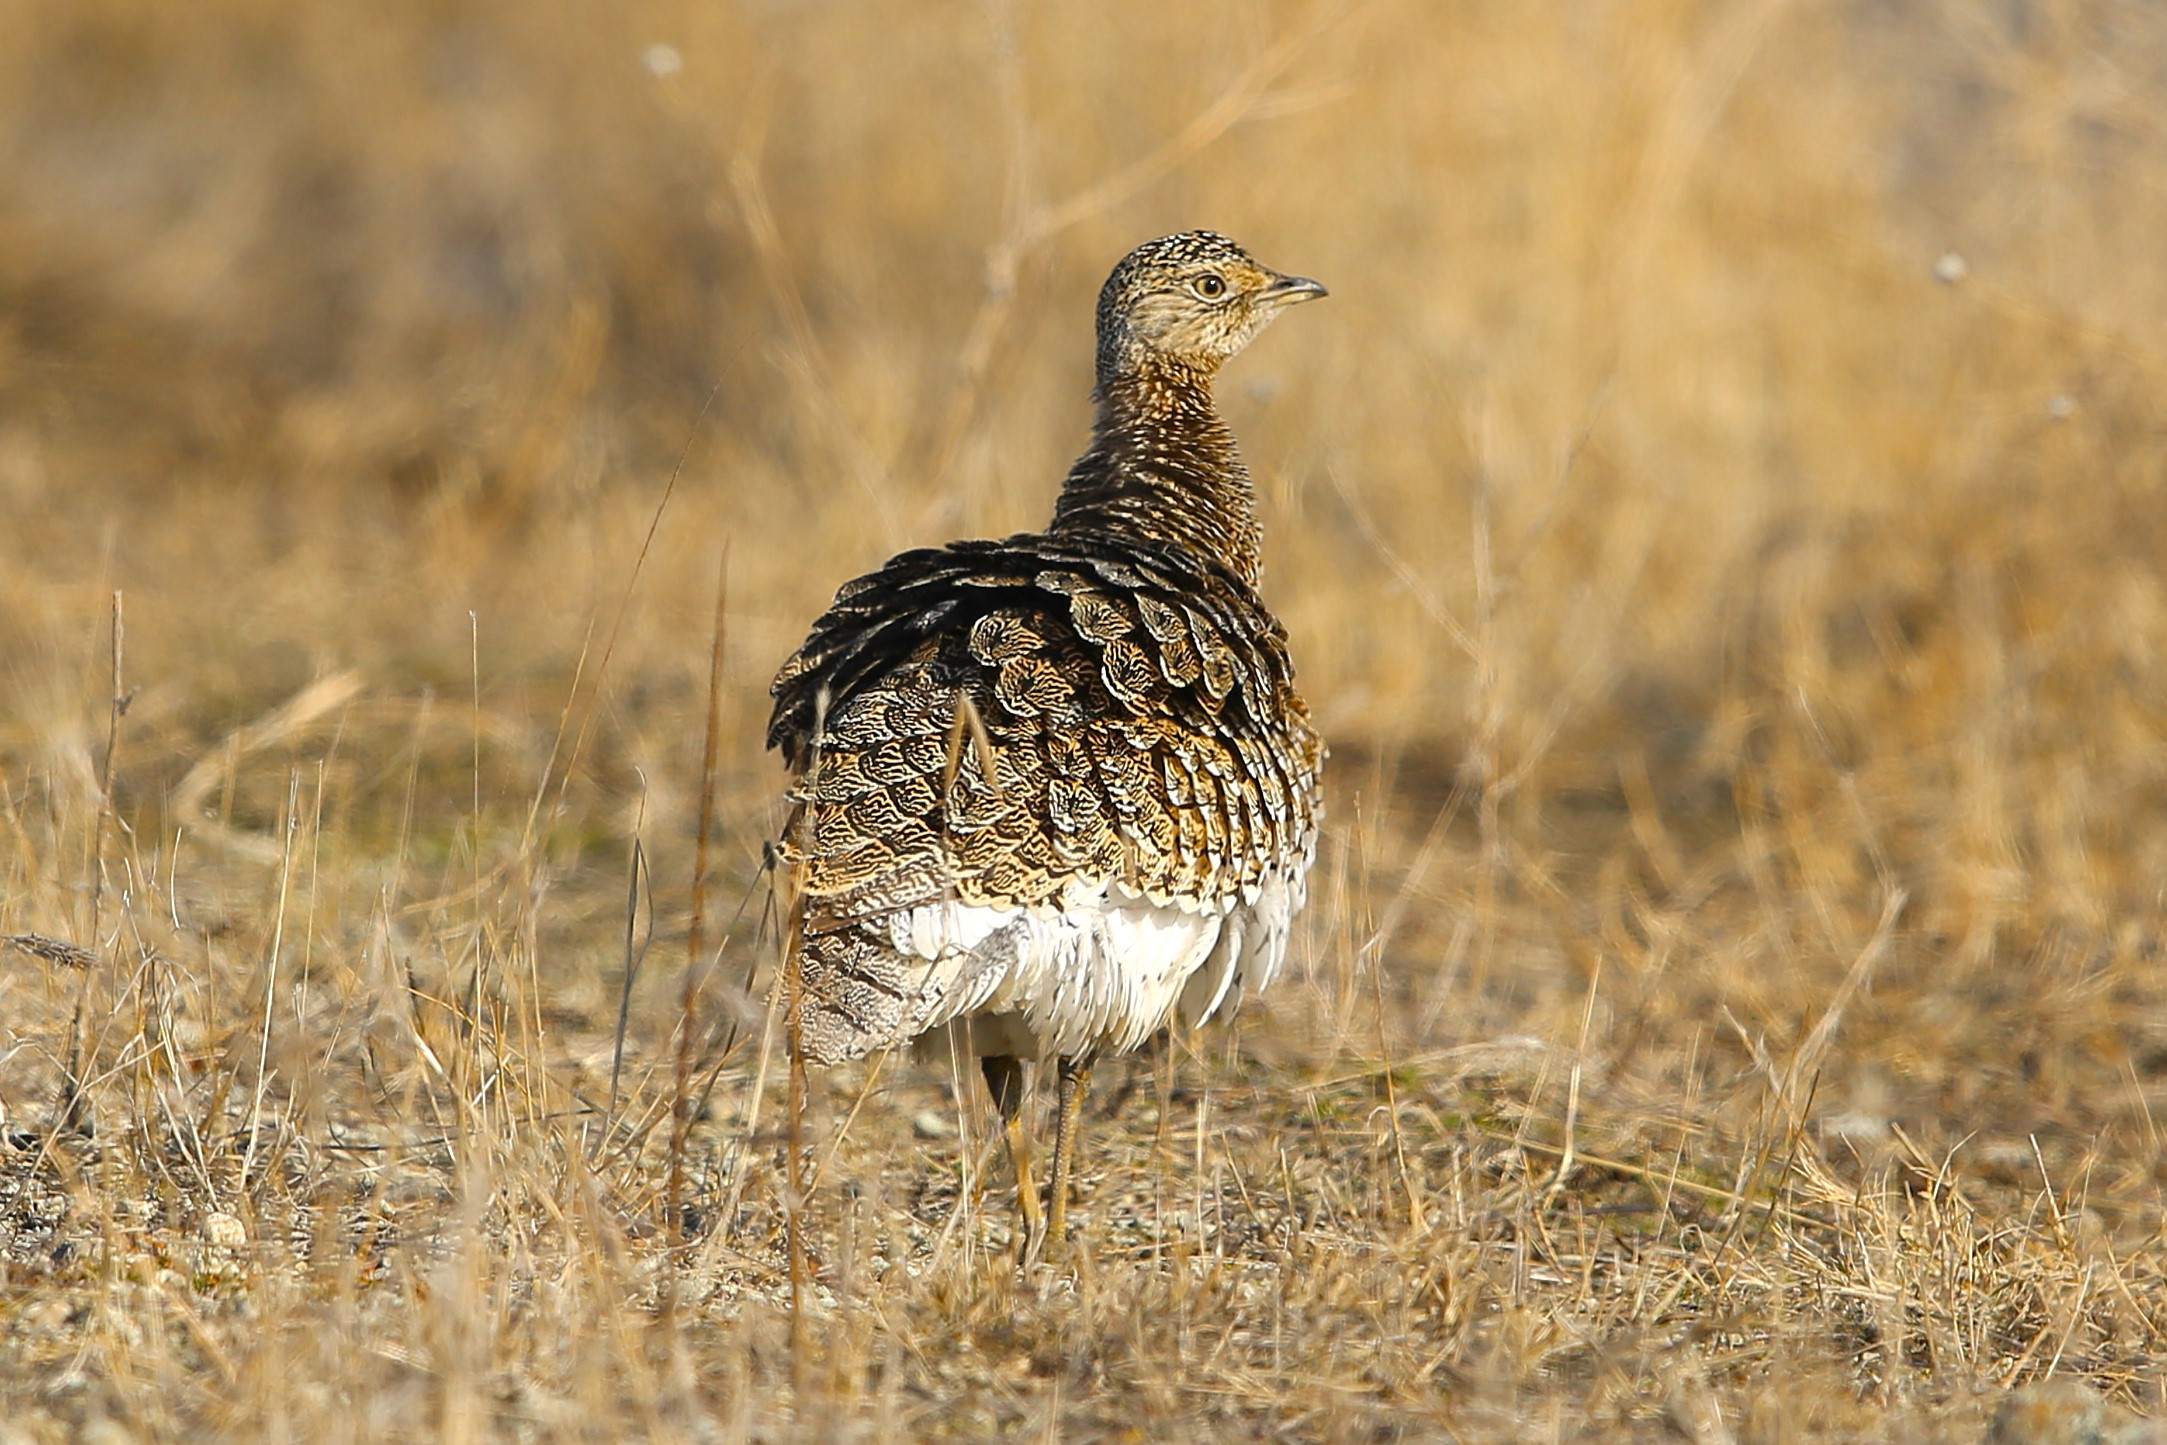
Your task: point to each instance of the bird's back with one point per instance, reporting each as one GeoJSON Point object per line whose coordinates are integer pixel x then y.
{"type": "Point", "coordinates": [1055, 778]}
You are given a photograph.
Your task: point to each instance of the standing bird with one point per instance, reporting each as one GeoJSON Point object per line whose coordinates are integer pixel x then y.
{"type": "Point", "coordinates": [1059, 789]}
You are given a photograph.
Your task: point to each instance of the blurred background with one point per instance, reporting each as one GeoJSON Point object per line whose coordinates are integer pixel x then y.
{"type": "Point", "coordinates": [1724, 491]}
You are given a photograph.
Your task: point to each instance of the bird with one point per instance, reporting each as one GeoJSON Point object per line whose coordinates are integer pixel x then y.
{"type": "Point", "coordinates": [1059, 790]}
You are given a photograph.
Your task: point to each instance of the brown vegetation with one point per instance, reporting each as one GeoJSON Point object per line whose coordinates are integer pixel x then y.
{"type": "Point", "coordinates": [1720, 516]}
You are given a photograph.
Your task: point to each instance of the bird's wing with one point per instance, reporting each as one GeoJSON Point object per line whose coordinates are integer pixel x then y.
{"type": "Point", "coordinates": [994, 722]}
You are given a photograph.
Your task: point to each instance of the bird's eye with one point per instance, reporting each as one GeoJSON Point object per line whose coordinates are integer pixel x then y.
{"type": "Point", "coordinates": [1209, 286]}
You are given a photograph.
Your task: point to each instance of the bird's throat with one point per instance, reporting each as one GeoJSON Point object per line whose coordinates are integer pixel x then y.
{"type": "Point", "coordinates": [1163, 467]}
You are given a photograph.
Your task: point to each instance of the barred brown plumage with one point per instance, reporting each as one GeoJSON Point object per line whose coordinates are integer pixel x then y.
{"type": "Point", "coordinates": [1061, 788]}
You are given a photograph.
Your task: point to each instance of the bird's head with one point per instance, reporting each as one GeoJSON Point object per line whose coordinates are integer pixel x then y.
{"type": "Point", "coordinates": [1191, 301]}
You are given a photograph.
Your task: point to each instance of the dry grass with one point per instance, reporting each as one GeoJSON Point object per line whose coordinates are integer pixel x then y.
{"type": "Point", "coordinates": [1732, 1002]}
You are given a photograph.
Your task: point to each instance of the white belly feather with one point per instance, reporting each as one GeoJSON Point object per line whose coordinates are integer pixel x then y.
{"type": "Point", "coordinates": [1099, 972]}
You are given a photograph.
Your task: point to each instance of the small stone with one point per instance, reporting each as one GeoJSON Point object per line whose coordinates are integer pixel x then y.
{"type": "Point", "coordinates": [1951, 268]}
{"type": "Point", "coordinates": [223, 1231]}
{"type": "Point", "coordinates": [2061, 406]}
{"type": "Point", "coordinates": [930, 1124]}
{"type": "Point", "coordinates": [662, 60]}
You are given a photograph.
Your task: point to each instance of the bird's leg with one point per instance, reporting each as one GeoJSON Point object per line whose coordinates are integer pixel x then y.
{"type": "Point", "coordinates": [1004, 1080]}
{"type": "Point", "coordinates": [1075, 1078]}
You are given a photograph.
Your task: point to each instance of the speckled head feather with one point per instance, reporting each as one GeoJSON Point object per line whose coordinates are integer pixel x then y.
{"type": "Point", "coordinates": [1188, 302]}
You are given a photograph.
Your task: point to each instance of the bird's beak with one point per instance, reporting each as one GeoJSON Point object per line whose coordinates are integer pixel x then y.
{"type": "Point", "coordinates": [1286, 290]}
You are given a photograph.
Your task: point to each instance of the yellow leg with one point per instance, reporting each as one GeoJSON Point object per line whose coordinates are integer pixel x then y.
{"type": "Point", "coordinates": [1075, 1078]}
{"type": "Point", "coordinates": [1004, 1080]}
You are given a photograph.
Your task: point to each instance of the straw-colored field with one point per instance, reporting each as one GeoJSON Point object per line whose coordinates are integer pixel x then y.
{"type": "Point", "coordinates": [1721, 518]}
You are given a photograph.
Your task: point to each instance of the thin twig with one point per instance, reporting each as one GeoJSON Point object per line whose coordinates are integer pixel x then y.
{"type": "Point", "coordinates": [689, 1004]}
{"type": "Point", "coordinates": [1641, 1173]}
{"type": "Point", "coordinates": [71, 1080]}
{"type": "Point", "coordinates": [636, 866]}
{"type": "Point", "coordinates": [1572, 1089]}
{"type": "Point", "coordinates": [270, 982]}
{"type": "Point", "coordinates": [624, 605]}
{"type": "Point", "coordinates": [118, 710]}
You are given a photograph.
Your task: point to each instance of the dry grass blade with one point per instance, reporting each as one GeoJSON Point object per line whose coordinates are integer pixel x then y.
{"type": "Point", "coordinates": [690, 998]}
{"type": "Point", "coordinates": [635, 869]}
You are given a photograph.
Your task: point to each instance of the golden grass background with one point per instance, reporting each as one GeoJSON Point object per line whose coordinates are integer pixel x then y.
{"type": "Point", "coordinates": [1719, 515]}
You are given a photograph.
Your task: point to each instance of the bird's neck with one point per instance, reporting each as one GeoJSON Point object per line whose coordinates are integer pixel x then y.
{"type": "Point", "coordinates": [1163, 467]}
